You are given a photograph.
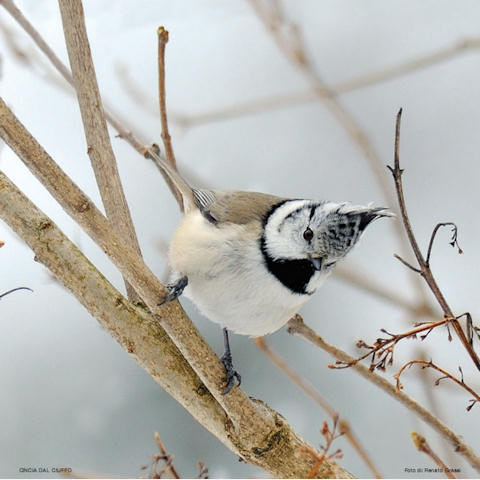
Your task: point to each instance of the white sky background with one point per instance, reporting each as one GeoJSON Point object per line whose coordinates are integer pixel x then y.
{"type": "Point", "coordinates": [69, 395]}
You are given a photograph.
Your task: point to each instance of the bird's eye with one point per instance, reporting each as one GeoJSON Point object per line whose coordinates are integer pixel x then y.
{"type": "Point", "coordinates": [308, 234]}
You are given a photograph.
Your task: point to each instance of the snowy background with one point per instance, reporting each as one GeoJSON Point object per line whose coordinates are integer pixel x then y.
{"type": "Point", "coordinates": [69, 395]}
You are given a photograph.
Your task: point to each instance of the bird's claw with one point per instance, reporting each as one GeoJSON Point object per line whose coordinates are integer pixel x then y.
{"type": "Point", "coordinates": [175, 290]}
{"type": "Point", "coordinates": [231, 373]}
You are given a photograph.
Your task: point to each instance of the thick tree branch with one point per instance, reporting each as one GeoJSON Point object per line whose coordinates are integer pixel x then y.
{"type": "Point", "coordinates": [98, 141]}
{"type": "Point", "coordinates": [132, 326]}
{"type": "Point", "coordinates": [259, 434]}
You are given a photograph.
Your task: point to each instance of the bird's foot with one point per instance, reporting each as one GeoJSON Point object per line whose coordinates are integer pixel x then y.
{"type": "Point", "coordinates": [231, 373]}
{"type": "Point", "coordinates": [175, 290]}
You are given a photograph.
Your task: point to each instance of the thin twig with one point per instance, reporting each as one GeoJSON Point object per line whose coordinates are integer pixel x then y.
{"type": "Point", "coordinates": [315, 395]}
{"type": "Point", "coordinates": [408, 265]}
{"type": "Point", "coordinates": [383, 348]}
{"type": "Point", "coordinates": [453, 242]}
{"type": "Point", "coordinates": [425, 270]}
{"type": "Point", "coordinates": [460, 382]}
{"type": "Point", "coordinates": [296, 326]}
{"type": "Point", "coordinates": [14, 290]}
{"type": "Point", "coordinates": [168, 458]}
{"type": "Point", "coordinates": [202, 471]}
{"type": "Point", "coordinates": [162, 35]}
{"type": "Point", "coordinates": [330, 436]}
{"type": "Point", "coordinates": [422, 445]}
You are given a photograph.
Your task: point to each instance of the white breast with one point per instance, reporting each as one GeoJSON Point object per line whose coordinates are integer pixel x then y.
{"type": "Point", "coordinates": [227, 279]}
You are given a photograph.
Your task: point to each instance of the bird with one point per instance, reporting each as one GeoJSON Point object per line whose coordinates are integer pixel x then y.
{"type": "Point", "coordinates": [249, 261]}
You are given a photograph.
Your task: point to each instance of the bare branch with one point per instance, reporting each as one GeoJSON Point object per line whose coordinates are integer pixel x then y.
{"type": "Point", "coordinates": [167, 143]}
{"type": "Point", "coordinates": [131, 326]}
{"type": "Point", "coordinates": [383, 348]}
{"type": "Point", "coordinates": [446, 374]}
{"type": "Point", "coordinates": [4, 294]}
{"type": "Point", "coordinates": [411, 267]}
{"type": "Point", "coordinates": [296, 326]}
{"type": "Point", "coordinates": [168, 459]}
{"type": "Point", "coordinates": [422, 445]}
{"type": "Point", "coordinates": [425, 271]}
{"type": "Point", "coordinates": [330, 436]}
{"type": "Point", "coordinates": [99, 147]}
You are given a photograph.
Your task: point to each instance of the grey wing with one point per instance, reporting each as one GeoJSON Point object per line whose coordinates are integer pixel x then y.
{"type": "Point", "coordinates": [234, 206]}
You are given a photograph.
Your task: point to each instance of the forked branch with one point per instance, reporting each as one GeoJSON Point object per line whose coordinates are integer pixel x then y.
{"type": "Point", "coordinates": [424, 265]}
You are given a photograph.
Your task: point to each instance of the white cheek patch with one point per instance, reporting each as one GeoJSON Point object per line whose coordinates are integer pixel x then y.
{"type": "Point", "coordinates": [282, 230]}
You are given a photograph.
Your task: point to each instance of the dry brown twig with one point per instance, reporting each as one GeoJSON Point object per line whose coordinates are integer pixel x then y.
{"type": "Point", "coordinates": [446, 375]}
{"type": "Point", "coordinates": [296, 326]}
{"type": "Point", "coordinates": [161, 463]}
{"type": "Point", "coordinates": [344, 425]}
{"type": "Point", "coordinates": [202, 471]}
{"type": "Point", "coordinates": [422, 445]}
{"type": "Point", "coordinates": [329, 435]}
{"type": "Point", "coordinates": [162, 35]}
{"type": "Point", "coordinates": [382, 350]}
{"type": "Point", "coordinates": [424, 265]}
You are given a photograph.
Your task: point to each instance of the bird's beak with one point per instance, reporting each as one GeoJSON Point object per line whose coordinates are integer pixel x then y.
{"type": "Point", "coordinates": [317, 263]}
